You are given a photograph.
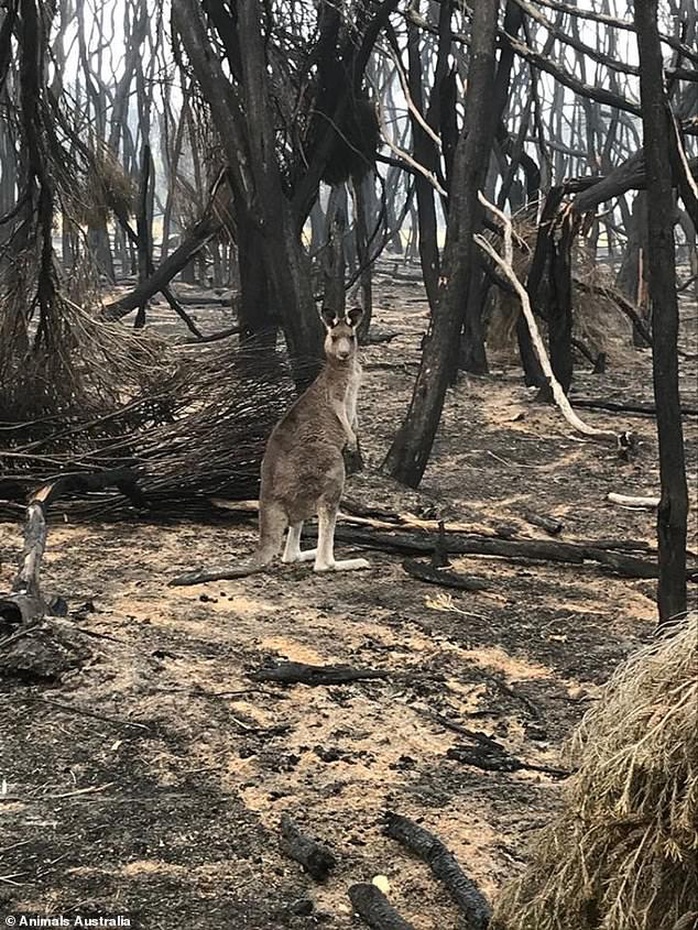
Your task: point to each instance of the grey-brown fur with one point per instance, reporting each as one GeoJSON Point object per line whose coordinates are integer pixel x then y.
{"type": "Point", "coordinates": [303, 468]}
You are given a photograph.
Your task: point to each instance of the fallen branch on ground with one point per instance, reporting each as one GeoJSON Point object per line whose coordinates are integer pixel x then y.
{"type": "Point", "coordinates": [444, 865]}
{"type": "Point", "coordinates": [372, 905]}
{"type": "Point", "coordinates": [493, 757]}
{"type": "Point", "coordinates": [618, 407]}
{"type": "Point", "coordinates": [538, 549]}
{"type": "Point", "coordinates": [551, 525]}
{"type": "Point", "coordinates": [628, 500]}
{"type": "Point", "coordinates": [424, 571]}
{"type": "Point", "coordinates": [315, 858]}
{"type": "Point", "coordinates": [290, 673]}
{"type": "Point", "coordinates": [403, 543]}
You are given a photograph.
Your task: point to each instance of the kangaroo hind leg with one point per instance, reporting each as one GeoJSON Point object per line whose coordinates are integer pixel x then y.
{"type": "Point", "coordinates": [325, 560]}
{"type": "Point", "coordinates": [293, 551]}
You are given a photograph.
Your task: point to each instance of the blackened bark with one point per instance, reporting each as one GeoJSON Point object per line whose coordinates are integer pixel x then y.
{"type": "Point", "coordinates": [204, 230]}
{"type": "Point", "coordinates": [533, 373]}
{"type": "Point", "coordinates": [538, 275]}
{"type": "Point", "coordinates": [315, 858]}
{"type": "Point", "coordinates": [373, 906]}
{"type": "Point", "coordinates": [657, 127]}
{"type": "Point", "coordinates": [409, 453]}
{"type": "Point", "coordinates": [631, 175]}
{"type": "Point", "coordinates": [632, 276]}
{"type": "Point", "coordinates": [362, 239]}
{"type": "Point", "coordinates": [473, 357]}
{"type": "Point", "coordinates": [425, 153]}
{"type": "Point", "coordinates": [628, 279]}
{"type": "Point", "coordinates": [144, 231]}
{"type": "Point", "coordinates": [256, 317]}
{"type": "Point", "coordinates": [560, 306]}
{"type": "Point", "coordinates": [444, 865]}
{"type": "Point", "coordinates": [334, 256]}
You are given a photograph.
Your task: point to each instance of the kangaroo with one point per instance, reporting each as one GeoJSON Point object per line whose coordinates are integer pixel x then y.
{"type": "Point", "coordinates": [303, 470]}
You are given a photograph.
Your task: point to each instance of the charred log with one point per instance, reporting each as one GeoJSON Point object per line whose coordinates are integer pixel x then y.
{"type": "Point", "coordinates": [444, 865]}
{"type": "Point", "coordinates": [424, 571]}
{"type": "Point", "coordinates": [291, 673]}
{"type": "Point", "coordinates": [373, 906]}
{"type": "Point", "coordinates": [316, 859]}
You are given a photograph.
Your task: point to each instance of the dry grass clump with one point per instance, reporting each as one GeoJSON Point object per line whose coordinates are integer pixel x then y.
{"type": "Point", "coordinates": [623, 854]}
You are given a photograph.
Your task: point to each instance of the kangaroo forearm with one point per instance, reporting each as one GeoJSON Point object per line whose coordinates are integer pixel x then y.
{"type": "Point", "coordinates": [341, 412]}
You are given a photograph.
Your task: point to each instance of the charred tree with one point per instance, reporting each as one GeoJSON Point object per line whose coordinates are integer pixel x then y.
{"type": "Point", "coordinates": [473, 357]}
{"type": "Point", "coordinates": [241, 110]}
{"type": "Point", "coordinates": [409, 453]}
{"type": "Point", "coordinates": [658, 129]}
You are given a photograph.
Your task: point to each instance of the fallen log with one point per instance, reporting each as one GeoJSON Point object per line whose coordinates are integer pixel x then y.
{"type": "Point", "coordinates": [391, 533]}
{"type": "Point", "coordinates": [614, 406]}
{"type": "Point", "coordinates": [316, 859]}
{"type": "Point", "coordinates": [444, 865]}
{"type": "Point", "coordinates": [291, 673]}
{"type": "Point", "coordinates": [551, 525]}
{"type": "Point", "coordinates": [535, 549]}
{"type": "Point", "coordinates": [403, 543]}
{"type": "Point", "coordinates": [493, 757]}
{"type": "Point", "coordinates": [372, 905]}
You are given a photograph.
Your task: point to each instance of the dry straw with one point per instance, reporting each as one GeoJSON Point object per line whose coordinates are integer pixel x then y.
{"type": "Point", "coordinates": [597, 321]}
{"type": "Point", "coordinates": [623, 853]}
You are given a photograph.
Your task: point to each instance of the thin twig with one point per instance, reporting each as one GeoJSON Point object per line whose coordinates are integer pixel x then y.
{"type": "Point", "coordinates": [82, 712]}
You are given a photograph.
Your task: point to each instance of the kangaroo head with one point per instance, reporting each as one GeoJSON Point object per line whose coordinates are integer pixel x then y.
{"type": "Point", "coordinates": [340, 341]}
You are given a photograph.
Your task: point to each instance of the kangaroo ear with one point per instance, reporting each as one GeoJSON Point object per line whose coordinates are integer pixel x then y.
{"type": "Point", "coordinates": [329, 317]}
{"type": "Point", "coordinates": [354, 316]}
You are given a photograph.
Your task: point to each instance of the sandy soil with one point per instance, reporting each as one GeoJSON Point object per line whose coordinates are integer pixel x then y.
{"type": "Point", "coordinates": [150, 780]}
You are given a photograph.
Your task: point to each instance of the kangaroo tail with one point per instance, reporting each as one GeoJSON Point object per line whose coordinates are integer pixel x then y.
{"type": "Point", "coordinates": [272, 525]}
{"type": "Point", "coordinates": [251, 567]}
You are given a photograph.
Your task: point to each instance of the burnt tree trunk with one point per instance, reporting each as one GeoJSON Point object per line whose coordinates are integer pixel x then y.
{"type": "Point", "coordinates": [658, 127]}
{"type": "Point", "coordinates": [363, 254]}
{"type": "Point", "coordinates": [144, 229]}
{"type": "Point", "coordinates": [257, 321]}
{"type": "Point", "coordinates": [242, 114]}
{"type": "Point", "coordinates": [334, 257]}
{"type": "Point", "coordinates": [632, 275]}
{"type": "Point", "coordinates": [560, 306]}
{"type": "Point", "coordinates": [473, 357]}
{"type": "Point", "coordinates": [426, 154]}
{"type": "Point", "coordinates": [540, 274]}
{"type": "Point", "coordinates": [409, 453]}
